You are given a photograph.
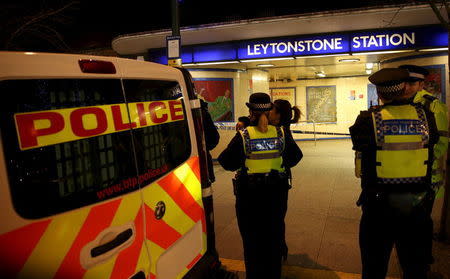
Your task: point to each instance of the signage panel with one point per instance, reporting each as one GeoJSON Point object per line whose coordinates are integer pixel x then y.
{"type": "Point", "coordinates": [294, 46]}
{"type": "Point", "coordinates": [173, 46]}
{"type": "Point", "coordinates": [431, 36]}
{"type": "Point", "coordinates": [215, 52]}
{"type": "Point", "coordinates": [399, 39]}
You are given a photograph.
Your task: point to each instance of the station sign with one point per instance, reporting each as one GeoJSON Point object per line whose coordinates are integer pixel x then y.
{"type": "Point", "coordinates": [407, 38]}
{"type": "Point", "coordinates": [305, 45]}
{"type": "Point", "coordinates": [400, 39]}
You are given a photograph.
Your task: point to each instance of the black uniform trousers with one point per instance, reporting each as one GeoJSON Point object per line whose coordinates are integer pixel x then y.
{"type": "Point", "coordinates": [260, 211]}
{"type": "Point", "coordinates": [382, 227]}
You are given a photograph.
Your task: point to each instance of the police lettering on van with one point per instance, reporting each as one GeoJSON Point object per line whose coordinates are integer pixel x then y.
{"type": "Point", "coordinates": [43, 128]}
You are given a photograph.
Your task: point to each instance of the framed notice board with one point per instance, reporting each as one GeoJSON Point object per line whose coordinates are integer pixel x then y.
{"type": "Point", "coordinates": [321, 103]}
{"type": "Point", "coordinates": [435, 81]}
{"type": "Point", "coordinates": [285, 93]}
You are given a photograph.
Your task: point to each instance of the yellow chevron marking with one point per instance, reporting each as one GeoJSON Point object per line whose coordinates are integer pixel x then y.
{"type": "Point", "coordinates": [143, 262]}
{"type": "Point", "coordinates": [204, 244]}
{"type": "Point", "coordinates": [49, 253]}
{"type": "Point", "coordinates": [190, 181]}
{"type": "Point", "coordinates": [103, 270]}
{"type": "Point", "coordinates": [174, 216]}
{"type": "Point", "coordinates": [127, 212]}
{"type": "Point", "coordinates": [155, 252]}
{"type": "Point", "coordinates": [181, 275]}
{"type": "Point", "coordinates": [128, 209]}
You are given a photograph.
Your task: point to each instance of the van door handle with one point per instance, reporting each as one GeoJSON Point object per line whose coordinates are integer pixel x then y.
{"type": "Point", "coordinates": [108, 243]}
{"type": "Point", "coordinates": [117, 241]}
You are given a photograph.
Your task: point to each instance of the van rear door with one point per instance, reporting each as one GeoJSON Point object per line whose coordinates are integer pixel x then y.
{"type": "Point", "coordinates": [169, 169]}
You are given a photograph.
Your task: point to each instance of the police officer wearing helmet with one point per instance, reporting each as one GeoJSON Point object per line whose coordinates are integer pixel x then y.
{"type": "Point", "coordinates": [260, 154]}
{"type": "Point", "coordinates": [394, 148]}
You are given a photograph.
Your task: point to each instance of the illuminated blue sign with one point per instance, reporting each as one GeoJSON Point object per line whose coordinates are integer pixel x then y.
{"type": "Point", "coordinates": [214, 52]}
{"type": "Point", "coordinates": [306, 45]}
{"type": "Point", "coordinates": [423, 37]}
{"type": "Point", "coordinates": [311, 45]}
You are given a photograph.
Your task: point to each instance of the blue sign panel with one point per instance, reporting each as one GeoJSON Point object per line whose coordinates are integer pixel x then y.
{"type": "Point", "coordinates": [215, 52]}
{"type": "Point", "coordinates": [294, 46]}
{"type": "Point", "coordinates": [399, 39]}
{"type": "Point", "coordinates": [160, 55]}
{"type": "Point", "coordinates": [372, 40]}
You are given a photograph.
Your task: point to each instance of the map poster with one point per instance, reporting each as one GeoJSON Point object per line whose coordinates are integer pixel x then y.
{"type": "Point", "coordinates": [285, 93]}
{"type": "Point", "coordinates": [321, 103]}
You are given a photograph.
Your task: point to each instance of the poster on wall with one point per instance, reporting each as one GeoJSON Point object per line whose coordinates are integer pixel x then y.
{"type": "Point", "coordinates": [321, 103]}
{"type": "Point", "coordinates": [435, 81]}
{"type": "Point", "coordinates": [285, 93]}
{"type": "Point", "coordinates": [218, 93]}
{"type": "Point", "coordinates": [372, 97]}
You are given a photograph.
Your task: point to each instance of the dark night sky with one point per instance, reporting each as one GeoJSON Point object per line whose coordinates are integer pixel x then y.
{"type": "Point", "coordinates": [137, 16]}
{"type": "Point", "coordinates": [94, 23]}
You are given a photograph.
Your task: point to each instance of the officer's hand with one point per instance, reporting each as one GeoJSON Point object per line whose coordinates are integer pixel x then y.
{"type": "Point", "coordinates": [240, 125]}
{"type": "Point", "coordinates": [358, 164]}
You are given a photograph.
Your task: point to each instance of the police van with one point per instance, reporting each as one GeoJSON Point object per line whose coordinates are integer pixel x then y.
{"type": "Point", "coordinates": [102, 170]}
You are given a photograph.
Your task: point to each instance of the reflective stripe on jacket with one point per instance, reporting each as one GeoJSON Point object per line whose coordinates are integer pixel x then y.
{"type": "Point", "coordinates": [263, 150]}
{"type": "Point", "coordinates": [440, 111]}
{"type": "Point", "coordinates": [402, 136]}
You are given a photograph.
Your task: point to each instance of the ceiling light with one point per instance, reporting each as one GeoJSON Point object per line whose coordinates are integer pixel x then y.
{"type": "Point", "coordinates": [267, 59]}
{"type": "Point", "coordinates": [216, 63]}
{"type": "Point", "coordinates": [369, 66]}
{"type": "Point", "coordinates": [380, 52]}
{"type": "Point", "coordinates": [320, 74]}
{"type": "Point", "coordinates": [368, 71]}
{"type": "Point", "coordinates": [324, 55]}
{"type": "Point", "coordinates": [349, 60]}
{"type": "Point", "coordinates": [434, 49]}
{"type": "Point", "coordinates": [265, 65]}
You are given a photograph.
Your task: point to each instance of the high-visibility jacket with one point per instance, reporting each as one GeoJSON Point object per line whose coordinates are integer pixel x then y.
{"type": "Point", "coordinates": [402, 138]}
{"type": "Point", "coordinates": [440, 111]}
{"type": "Point", "coordinates": [263, 150]}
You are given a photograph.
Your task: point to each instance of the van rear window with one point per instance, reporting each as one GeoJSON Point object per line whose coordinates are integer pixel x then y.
{"type": "Point", "coordinates": [69, 143]}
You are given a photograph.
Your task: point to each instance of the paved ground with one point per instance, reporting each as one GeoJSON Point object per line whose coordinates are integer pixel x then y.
{"type": "Point", "coordinates": [322, 222]}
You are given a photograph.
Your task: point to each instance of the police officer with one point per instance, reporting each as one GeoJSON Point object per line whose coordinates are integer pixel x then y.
{"type": "Point", "coordinates": [394, 147]}
{"type": "Point", "coordinates": [260, 153]}
{"type": "Point", "coordinates": [417, 93]}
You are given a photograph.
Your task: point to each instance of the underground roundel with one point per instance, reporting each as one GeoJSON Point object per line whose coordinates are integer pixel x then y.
{"type": "Point", "coordinates": [160, 210]}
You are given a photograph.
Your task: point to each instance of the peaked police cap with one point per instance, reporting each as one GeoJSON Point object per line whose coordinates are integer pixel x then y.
{"type": "Point", "coordinates": [259, 101]}
{"type": "Point", "coordinates": [390, 82]}
{"type": "Point", "coordinates": [416, 73]}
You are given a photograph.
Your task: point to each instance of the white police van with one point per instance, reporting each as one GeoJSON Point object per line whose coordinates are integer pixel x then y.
{"type": "Point", "coordinates": [102, 170]}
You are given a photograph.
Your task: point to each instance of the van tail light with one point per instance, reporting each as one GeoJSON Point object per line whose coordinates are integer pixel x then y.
{"type": "Point", "coordinates": [96, 66]}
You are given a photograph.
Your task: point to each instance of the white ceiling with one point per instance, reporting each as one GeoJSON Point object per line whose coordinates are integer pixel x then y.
{"type": "Point", "coordinates": [304, 68]}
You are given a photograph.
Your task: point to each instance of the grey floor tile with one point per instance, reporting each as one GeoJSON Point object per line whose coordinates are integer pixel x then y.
{"type": "Point", "coordinates": [229, 242]}
{"type": "Point", "coordinates": [340, 251]}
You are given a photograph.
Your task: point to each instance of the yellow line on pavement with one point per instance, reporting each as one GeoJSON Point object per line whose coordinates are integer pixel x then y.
{"type": "Point", "coordinates": [293, 272]}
